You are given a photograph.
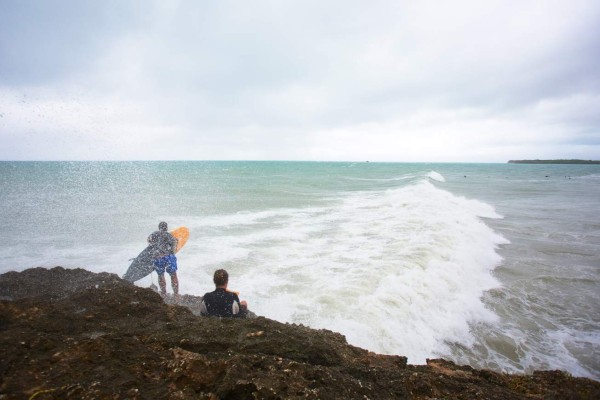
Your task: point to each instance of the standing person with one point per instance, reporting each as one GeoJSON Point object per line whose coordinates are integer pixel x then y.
{"type": "Point", "coordinates": [163, 253]}
{"type": "Point", "coordinates": [222, 303]}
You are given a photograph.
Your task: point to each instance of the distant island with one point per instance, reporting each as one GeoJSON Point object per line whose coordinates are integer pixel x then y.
{"type": "Point", "coordinates": [554, 162]}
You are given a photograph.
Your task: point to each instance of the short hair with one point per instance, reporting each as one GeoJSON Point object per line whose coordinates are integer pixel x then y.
{"type": "Point", "coordinates": [163, 226]}
{"type": "Point", "coordinates": [221, 277]}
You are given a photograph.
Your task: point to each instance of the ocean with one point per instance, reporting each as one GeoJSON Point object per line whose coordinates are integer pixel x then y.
{"type": "Point", "coordinates": [491, 265]}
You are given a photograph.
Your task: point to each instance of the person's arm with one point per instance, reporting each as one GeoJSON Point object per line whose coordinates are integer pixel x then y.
{"type": "Point", "coordinates": [174, 242]}
{"type": "Point", "coordinates": [152, 239]}
{"type": "Point", "coordinates": [239, 308]}
{"type": "Point", "coordinates": [203, 310]}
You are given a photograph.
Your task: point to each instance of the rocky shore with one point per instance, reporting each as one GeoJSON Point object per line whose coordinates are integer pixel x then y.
{"type": "Point", "coordinates": [74, 334]}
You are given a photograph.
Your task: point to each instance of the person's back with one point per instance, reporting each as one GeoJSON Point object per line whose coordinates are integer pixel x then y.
{"type": "Point", "coordinates": [220, 302]}
{"type": "Point", "coordinates": [163, 243]}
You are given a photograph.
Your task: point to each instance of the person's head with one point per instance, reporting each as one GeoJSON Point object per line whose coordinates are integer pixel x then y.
{"type": "Point", "coordinates": [221, 278]}
{"type": "Point", "coordinates": [163, 226]}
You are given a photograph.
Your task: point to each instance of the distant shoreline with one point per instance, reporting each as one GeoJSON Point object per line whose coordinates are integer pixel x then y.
{"type": "Point", "coordinates": [553, 162]}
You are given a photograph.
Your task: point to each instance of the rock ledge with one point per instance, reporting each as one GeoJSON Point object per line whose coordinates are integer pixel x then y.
{"type": "Point", "coordinates": [71, 333]}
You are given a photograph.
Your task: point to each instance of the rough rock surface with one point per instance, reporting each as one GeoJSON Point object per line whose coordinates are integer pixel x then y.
{"type": "Point", "coordinates": [70, 333]}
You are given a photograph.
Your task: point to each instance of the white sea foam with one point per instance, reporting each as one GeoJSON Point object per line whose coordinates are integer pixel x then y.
{"type": "Point", "coordinates": [398, 271]}
{"type": "Point", "coordinates": [436, 176]}
{"type": "Point", "coordinates": [402, 267]}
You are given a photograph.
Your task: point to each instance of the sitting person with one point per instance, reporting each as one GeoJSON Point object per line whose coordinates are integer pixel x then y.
{"type": "Point", "coordinates": [222, 303]}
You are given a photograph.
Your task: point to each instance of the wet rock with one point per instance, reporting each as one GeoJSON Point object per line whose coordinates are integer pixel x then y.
{"type": "Point", "coordinates": [70, 333]}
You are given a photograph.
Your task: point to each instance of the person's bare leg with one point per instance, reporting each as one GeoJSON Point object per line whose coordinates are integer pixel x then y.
{"type": "Point", "coordinates": [175, 283]}
{"type": "Point", "coordinates": [162, 282]}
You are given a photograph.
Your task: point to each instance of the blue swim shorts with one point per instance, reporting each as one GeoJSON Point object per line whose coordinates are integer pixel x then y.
{"type": "Point", "coordinates": [167, 262]}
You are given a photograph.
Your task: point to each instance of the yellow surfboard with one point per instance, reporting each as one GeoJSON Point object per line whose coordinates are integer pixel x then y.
{"type": "Point", "coordinates": [181, 234]}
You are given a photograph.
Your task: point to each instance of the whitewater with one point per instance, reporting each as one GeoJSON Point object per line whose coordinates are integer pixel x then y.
{"type": "Point", "coordinates": [420, 260]}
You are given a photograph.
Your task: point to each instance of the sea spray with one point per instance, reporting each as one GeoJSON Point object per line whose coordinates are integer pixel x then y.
{"type": "Point", "coordinates": [398, 271]}
{"type": "Point", "coordinates": [393, 255]}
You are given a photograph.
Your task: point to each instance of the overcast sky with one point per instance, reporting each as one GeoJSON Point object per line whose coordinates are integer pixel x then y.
{"type": "Point", "coordinates": [473, 81]}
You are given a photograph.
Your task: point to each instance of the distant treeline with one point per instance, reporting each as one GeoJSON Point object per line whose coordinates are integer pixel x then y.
{"type": "Point", "coordinates": [554, 162]}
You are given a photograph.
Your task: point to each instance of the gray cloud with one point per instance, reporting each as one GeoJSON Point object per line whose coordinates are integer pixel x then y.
{"type": "Point", "coordinates": [42, 42]}
{"type": "Point", "coordinates": [301, 80]}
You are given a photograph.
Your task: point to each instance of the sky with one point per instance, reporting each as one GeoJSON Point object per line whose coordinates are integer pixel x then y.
{"type": "Point", "coordinates": [399, 81]}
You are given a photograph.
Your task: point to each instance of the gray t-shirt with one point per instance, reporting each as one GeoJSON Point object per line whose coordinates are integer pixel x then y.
{"type": "Point", "coordinates": [163, 243]}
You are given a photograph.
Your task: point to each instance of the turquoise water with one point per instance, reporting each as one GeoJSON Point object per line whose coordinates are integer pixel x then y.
{"type": "Point", "coordinates": [492, 265]}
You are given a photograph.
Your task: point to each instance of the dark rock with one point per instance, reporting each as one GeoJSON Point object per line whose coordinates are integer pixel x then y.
{"type": "Point", "coordinates": [70, 333]}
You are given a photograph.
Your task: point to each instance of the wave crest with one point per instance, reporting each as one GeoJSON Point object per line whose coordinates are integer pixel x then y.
{"type": "Point", "coordinates": [436, 176]}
